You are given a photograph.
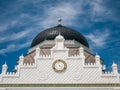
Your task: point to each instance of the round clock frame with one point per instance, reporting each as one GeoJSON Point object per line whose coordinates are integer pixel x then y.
{"type": "Point", "coordinates": [59, 70]}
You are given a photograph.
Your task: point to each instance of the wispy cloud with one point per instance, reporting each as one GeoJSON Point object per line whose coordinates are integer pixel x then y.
{"type": "Point", "coordinates": [3, 27]}
{"type": "Point", "coordinates": [98, 38]}
{"type": "Point", "coordinates": [15, 36]}
{"type": "Point", "coordinates": [66, 10]}
{"type": "Point", "coordinates": [98, 8]}
{"type": "Point", "coordinates": [70, 11]}
{"type": "Point", "coordinates": [20, 35]}
{"type": "Point", "coordinates": [99, 11]}
{"type": "Point", "coordinates": [10, 24]}
{"type": "Point", "coordinates": [14, 47]}
{"type": "Point", "coordinates": [80, 12]}
{"type": "Point", "coordinates": [75, 13]}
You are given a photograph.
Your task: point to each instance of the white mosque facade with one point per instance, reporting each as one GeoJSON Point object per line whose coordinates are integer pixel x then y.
{"type": "Point", "coordinates": [60, 55]}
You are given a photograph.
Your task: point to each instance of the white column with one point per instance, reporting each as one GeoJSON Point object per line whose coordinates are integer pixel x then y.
{"type": "Point", "coordinates": [103, 68]}
{"type": "Point", "coordinates": [98, 63]}
{"type": "Point", "coordinates": [81, 54]}
{"type": "Point", "coordinates": [4, 68]}
{"type": "Point", "coordinates": [114, 68]}
{"type": "Point", "coordinates": [21, 60]}
{"type": "Point", "coordinates": [37, 52]}
{"type": "Point", "coordinates": [97, 59]}
{"type": "Point", "coordinates": [81, 51]}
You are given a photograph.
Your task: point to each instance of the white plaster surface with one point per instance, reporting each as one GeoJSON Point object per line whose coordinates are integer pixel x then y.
{"type": "Point", "coordinates": [77, 72]}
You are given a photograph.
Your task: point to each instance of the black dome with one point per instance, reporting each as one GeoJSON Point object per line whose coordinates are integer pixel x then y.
{"type": "Point", "coordinates": [67, 33]}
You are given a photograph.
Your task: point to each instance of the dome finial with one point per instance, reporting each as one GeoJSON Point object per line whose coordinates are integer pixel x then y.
{"type": "Point", "coordinates": [59, 20]}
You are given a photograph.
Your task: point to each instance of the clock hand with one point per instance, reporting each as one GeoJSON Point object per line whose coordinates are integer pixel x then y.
{"type": "Point", "coordinates": [59, 65]}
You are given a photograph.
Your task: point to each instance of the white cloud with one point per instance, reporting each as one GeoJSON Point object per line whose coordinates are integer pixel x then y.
{"type": "Point", "coordinates": [76, 12]}
{"type": "Point", "coordinates": [71, 12]}
{"type": "Point", "coordinates": [98, 7]}
{"type": "Point", "coordinates": [14, 47]}
{"type": "Point", "coordinates": [15, 36]}
{"type": "Point", "coordinates": [7, 25]}
{"type": "Point", "coordinates": [2, 39]}
{"type": "Point", "coordinates": [99, 11]}
{"type": "Point", "coordinates": [16, 22]}
{"type": "Point", "coordinates": [98, 38]}
{"type": "Point", "coordinates": [66, 10]}
{"type": "Point", "coordinates": [21, 34]}
{"type": "Point", "coordinates": [3, 27]}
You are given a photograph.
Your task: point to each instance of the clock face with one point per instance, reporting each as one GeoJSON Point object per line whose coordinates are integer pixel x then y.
{"type": "Point", "coordinates": [59, 66]}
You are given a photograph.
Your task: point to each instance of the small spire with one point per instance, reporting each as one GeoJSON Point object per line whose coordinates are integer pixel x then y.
{"type": "Point", "coordinates": [96, 54]}
{"type": "Point", "coordinates": [5, 63]}
{"type": "Point", "coordinates": [113, 62]}
{"type": "Point", "coordinates": [59, 20]}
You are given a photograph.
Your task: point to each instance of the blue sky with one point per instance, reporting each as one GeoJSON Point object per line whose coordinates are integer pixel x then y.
{"type": "Point", "coordinates": [22, 20]}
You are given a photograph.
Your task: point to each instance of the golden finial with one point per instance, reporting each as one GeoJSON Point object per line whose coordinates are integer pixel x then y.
{"type": "Point", "coordinates": [59, 20]}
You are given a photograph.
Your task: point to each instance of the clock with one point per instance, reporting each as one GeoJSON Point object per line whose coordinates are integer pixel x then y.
{"type": "Point", "coordinates": [59, 66]}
